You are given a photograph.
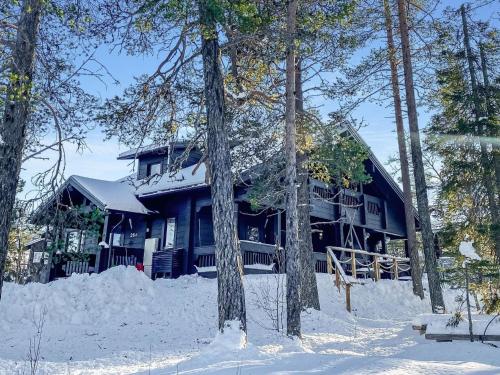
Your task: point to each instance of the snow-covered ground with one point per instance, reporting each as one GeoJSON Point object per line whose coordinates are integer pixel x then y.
{"type": "Point", "coordinates": [120, 322]}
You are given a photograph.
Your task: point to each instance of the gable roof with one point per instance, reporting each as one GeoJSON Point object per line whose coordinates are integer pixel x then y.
{"type": "Point", "coordinates": [111, 195]}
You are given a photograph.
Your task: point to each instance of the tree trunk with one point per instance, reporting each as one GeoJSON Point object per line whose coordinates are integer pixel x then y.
{"type": "Point", "coordinates": [489, 184]}
{"type": "Point", "coordinates": [308, 285]}
{"type": "Point", "coordinates": [292, 227]}
{"type": "Point", "coordinates": [496, 148]}
{"type": "Point", "coordinates": [418, 165]}
{"type": "Point", "coordinates": [416, 274]}
{"type": "Point", "coordinates": [231, 297]}
{"type": "Point", "coordinates": [15, 118]}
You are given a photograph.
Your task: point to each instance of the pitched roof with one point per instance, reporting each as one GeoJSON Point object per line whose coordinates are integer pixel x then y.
{"type": "Point", "coordinates": [186, 178]}
{"type": "Point", "coordinates": [376, 162]}
{"type": "Point", "coordinates": [112, 195]}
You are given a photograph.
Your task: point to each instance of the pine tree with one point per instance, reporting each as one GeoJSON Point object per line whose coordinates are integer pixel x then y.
{"type": "Point", "coordinates": [403, 158]}
{"type": "Point", "coordinates": [16, 117]}
{"type": "Point", "coordinates": [292, 226]}
{"type": "Point", "coordinates": [231, 296]}
{"type": "Point", "coordinates": [418, 168]}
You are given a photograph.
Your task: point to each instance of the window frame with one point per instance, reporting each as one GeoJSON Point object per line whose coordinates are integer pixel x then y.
{"type": "Point", "coordinates": [149, 168]}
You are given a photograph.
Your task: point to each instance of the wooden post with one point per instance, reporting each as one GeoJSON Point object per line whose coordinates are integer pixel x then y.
{"type": "Point", "coordinates": [329, 263]}
{"type": "Point", "coordinates": [348, 297]}
{"type": "Point", "coordinates": [353, 264]}
{"type": "Point", "coordinates": [376, 267]}
{"type": "Point", "coordinates": [396, 272]}
{"type": "Point", "coordinates": [337, 278]}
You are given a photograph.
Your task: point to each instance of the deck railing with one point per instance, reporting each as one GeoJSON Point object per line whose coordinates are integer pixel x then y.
{"type": "Point", "coordinates": [252, 253]}
{"type": "Point", "coordinates": [372, 264]}
{"type": "Point", "coordinates": [76, 266]}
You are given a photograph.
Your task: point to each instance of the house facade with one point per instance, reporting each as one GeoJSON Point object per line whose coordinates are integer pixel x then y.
{"type": "Point", "coordinates": [161, 221]}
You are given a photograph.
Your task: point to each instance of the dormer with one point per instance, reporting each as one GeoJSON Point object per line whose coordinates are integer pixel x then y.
{"type": "Point", "coordinates": [156, 160]}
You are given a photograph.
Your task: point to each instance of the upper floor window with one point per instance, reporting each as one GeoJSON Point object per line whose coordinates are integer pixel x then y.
{"type": "Point", "coordinates": [153, 169]}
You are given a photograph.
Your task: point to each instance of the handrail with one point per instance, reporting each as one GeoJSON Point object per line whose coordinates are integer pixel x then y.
{"type": "Point", "coordinates": [338, 266]}
{"type": "Point", "coordinates": [339, 274]}
{"type": "Point", "coordinates": [384, 262]}
{"type": "Point", "coordinates": [364, 252]}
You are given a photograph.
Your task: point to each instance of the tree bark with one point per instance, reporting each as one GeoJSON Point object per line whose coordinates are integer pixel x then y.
{"type": "Point", "coordinates": [488, 171]}
{"type": "Point", "coordinates": [308, 284]}
{"type": "Point", "coordinates": [292, 227]}
{"type": "Point", "coordinates": [231, 296]}
{"type": "Point", "coordinates": [16, 117]}
{"type": "Point", "coordinates": [418, 166]}
{"type": "Point", "coordinates": [416, 274]}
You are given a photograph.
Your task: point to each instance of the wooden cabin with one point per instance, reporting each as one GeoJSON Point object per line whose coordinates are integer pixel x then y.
{"type": "Point", "coordinates": [163, 223]}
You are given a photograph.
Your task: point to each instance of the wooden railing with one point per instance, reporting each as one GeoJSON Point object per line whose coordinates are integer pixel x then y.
{"type": "Point", "coordinates": [76, 266]}
{"type": "Point", "coordinates": [340, 276]}
{"type": "Point", "coordinates": [372, 264]}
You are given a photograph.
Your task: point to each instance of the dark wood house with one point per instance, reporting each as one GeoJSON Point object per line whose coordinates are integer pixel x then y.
{"type": "Point", "coordinates": [163, 223]}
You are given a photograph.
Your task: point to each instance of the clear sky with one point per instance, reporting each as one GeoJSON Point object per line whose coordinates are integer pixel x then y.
{"type": "Point", "coordinates": [99, 160]}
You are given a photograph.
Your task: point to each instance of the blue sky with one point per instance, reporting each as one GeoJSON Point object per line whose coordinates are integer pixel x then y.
{"type": "Point", "coordinates": [99, 160]}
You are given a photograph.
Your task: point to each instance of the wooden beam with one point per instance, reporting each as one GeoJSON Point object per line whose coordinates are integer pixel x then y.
{"type": "Point", "coordinates": [376, 268]}
{"type": "Point", "coordinates": [348, 297]}
{"type": "Point", "coordinates": [384, 207]}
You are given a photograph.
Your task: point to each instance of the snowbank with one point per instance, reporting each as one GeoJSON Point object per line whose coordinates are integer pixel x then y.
{"type": "Point", "coordinates": [82, 298]}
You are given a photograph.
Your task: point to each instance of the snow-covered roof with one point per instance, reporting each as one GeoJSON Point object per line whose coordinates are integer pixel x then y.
{"type": "Point", "coordinates": [150, 149]}
{"type": "Point", "coordinates": [134, 152]}
{"type": "Point", "coordinates": [189, 177]}
{"type": "Point", "coordinates": [34, 241]}
{"type": "Point", "coordinates": [112, 195]}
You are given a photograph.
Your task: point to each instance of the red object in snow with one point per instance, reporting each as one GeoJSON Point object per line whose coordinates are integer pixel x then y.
{"type": "Point", "coordinates": [139, 267]}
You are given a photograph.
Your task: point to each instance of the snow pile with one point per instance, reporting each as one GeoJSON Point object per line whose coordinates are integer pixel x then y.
{"type": "Point", "coordinates": [82, 298]}
{"type": "Point", "coordinates": [232, 339]}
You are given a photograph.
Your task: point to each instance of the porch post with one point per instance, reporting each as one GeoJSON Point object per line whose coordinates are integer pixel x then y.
{"type": "Point", "coordinates": [103, 238]}
{"type": "Point", "coordinates": [277, 228]}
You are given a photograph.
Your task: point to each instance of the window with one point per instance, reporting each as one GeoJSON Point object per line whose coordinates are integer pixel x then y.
{"type": "Point", "coordinates": [170, 233]}
{"type": "Point", "coordinates": [153, 169]}
{"type": "Point", "coordinates": [373, 208]}
{"type": "Point", "coordinates": [116, 239]}
{"type": "Point", "coordinates": [253, 234]}
{"type": "Point", "coordinates": [80, 241]}
{"type": "Point", "coordinates": [73, 241]}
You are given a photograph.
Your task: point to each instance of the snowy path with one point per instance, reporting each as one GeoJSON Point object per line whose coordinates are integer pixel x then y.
{"type": "Point", "coordinates": [120, 322]}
